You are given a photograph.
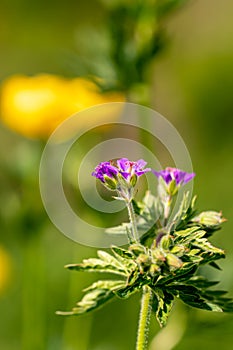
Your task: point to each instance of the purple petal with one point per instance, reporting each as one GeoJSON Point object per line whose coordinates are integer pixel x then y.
{"type": "Point", "coordinates": [178, 175]}
{"type": "Point", "coordinates": [125, 174]}
{"type": "Point", "coordinates": [164, 174]}
{"type": "Point", "coordinates": [142, 172]}
{"type": "Point", "coordinates": [123, 164]}
{"type": "Point", "coordinates": [105, 168]}
{"type": "Point", "coordinates": [170, 174]}
{"type": "Point", "coordinates": [188, 177]}
{"type": "Point", "coordinates": [140, 164]}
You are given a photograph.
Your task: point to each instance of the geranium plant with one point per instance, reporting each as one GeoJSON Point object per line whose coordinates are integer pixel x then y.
{"type": "Point", "coordinates": [164, 250]}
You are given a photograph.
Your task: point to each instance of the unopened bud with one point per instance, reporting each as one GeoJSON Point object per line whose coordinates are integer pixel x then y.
{"type": "Point", "coordinates": [143, 259]}
{"type": "Point", "coordinates": [133, 180]}
{"type": "Point", "coordinates": [154, 269]}
{"type": "Point", "coordinates": [137, 249]}
{"type": "Point", "coordinates": [157, 255]}
{"type": "Point", "coordinates": [110, 183]}
{"type": "Point", "coordinates": [209, 218]}
{"type": "Point", "coordinates": [178, 250]}
{"type": "Point", "coordinates": [172, 188]}
{"type": "Point", "coordinates": [165, 242]}
{"type": "Point", "coordinates": [173, 261]}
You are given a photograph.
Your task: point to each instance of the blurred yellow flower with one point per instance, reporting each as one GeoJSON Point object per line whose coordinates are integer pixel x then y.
{"type": "Point", "coordinates": [5, 268]}
{"type": "Point", "coordinates": [35, 106]}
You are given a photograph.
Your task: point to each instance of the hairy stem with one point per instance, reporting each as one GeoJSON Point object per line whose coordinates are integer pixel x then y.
{"type": "Point", "coordinates": [132, 221]}
{"type": "Point", "coordinates": [144, 319]}
{"type": "Point", "coordinates": [145, 312]}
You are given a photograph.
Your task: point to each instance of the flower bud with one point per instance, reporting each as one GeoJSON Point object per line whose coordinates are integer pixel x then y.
{"type": "Point", "coordinates": [110, 183]}
{"type": "Point", "coordinates": [157, 255]}
{"type": "Point", "coordinates": [154, 269]}
{"type": "Point", "coordinates": [137, 249]}
{"type": "Point", "coordinates": [209, 218]}
{"type": "Point", "coordinates": [143, 259]}
{"type": "Point", "coordinates": [173, 261]}
{"type": "Point", "coordinates": [179, 250]}
{"type": "Point", "coordinates": [172, 188]}
{"type": "Point", "coordinates": [133, 180]}
{"type": "Point", "coordinates": [165, 242]}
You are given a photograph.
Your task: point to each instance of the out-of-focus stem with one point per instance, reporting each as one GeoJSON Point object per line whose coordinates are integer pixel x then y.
{"type": "Point", "coordinates": [33, 330]}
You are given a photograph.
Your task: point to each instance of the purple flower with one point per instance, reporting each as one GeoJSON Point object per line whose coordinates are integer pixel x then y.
{"type": "Point", "coordinates": [105, 169]}
{"type": "Point", "coordinates": [128, 168]}
{"type": "Point", "coordinates": [124, 167]}
{"type": "Point", "coordinates": [169, 174]}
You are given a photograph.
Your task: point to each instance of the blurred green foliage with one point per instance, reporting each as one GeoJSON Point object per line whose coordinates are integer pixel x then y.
{"type": "Point", "coordinates": [191, 85]}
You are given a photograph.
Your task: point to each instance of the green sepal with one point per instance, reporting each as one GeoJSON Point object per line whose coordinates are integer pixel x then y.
{"type": "Point", "coordinates": [172, 188]}
{"type": "Point", "coordinates": [110, 183]}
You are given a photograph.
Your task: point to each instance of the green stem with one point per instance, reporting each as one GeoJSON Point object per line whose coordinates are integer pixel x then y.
{"type": "Point", "coordinates": [144, 319]}
{"type": "Point", "coordinates": [132, 221]}
{"type": "Point", "coordinates": [145, 312]}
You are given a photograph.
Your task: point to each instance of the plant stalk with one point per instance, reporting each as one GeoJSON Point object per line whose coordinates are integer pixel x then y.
{"type": "Point", "coordinates": [132, 221]}
{"type": "Point", "coordinates": [144, 319]}
{"type": "Point", "coordinates": [145, 312]}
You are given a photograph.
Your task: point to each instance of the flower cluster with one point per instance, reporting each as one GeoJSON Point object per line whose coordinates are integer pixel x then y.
{"type": "Point", "coordinates": [124, 167]}
{"type": "Point", "coordinates": [122, 174]}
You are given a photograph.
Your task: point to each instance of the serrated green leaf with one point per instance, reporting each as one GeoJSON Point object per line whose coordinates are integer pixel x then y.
{"type": "Point", "coordinates": [214, 265]}
{"type": "Point", "coordinates": [126, 292]}
{"type": "Point", "coordinates": [184, 214]}
{"type": "Point", "coordinates": [191, 296]}
{"type": "Point", "coordinates": [162, 305]}
{"type": "Point", "coordinates": [180, 215]}
{"type": "Point", "coordinates": [205, 245]}
{"type": "Point", "coordinates": [152, 208]}
{"type": "Point", "coordinates": [201, 282]}
{"type": "Point", "coordinates": [94, 265]}
{"type": "Point", "coordinates": [91, 301]}
{"type": "Point", "coordinates": [126, 254]}
{"type": "Point", "coordinates": [99, 265]}
{"type": "Point", "coordinates": [182, 274]}
{"type": "Point", "coordinates": [106, 284]}
{"type": "Point", "coordinates": [110, 259]}
{"type": "Point", "coordinates": [120, 229]}
{"type": "Point", "coordinates": [97, 294]}
{"type": "Point", "coordinates": [202, 299]}
{"type": "Point", "coordinates": [187, 233]}
{"type": "Point", "coordinates": [126, 258]}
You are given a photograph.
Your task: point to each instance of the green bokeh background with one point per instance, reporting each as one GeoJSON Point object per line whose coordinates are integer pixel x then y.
{"type": "Point", "coordinates": [191, 85]}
